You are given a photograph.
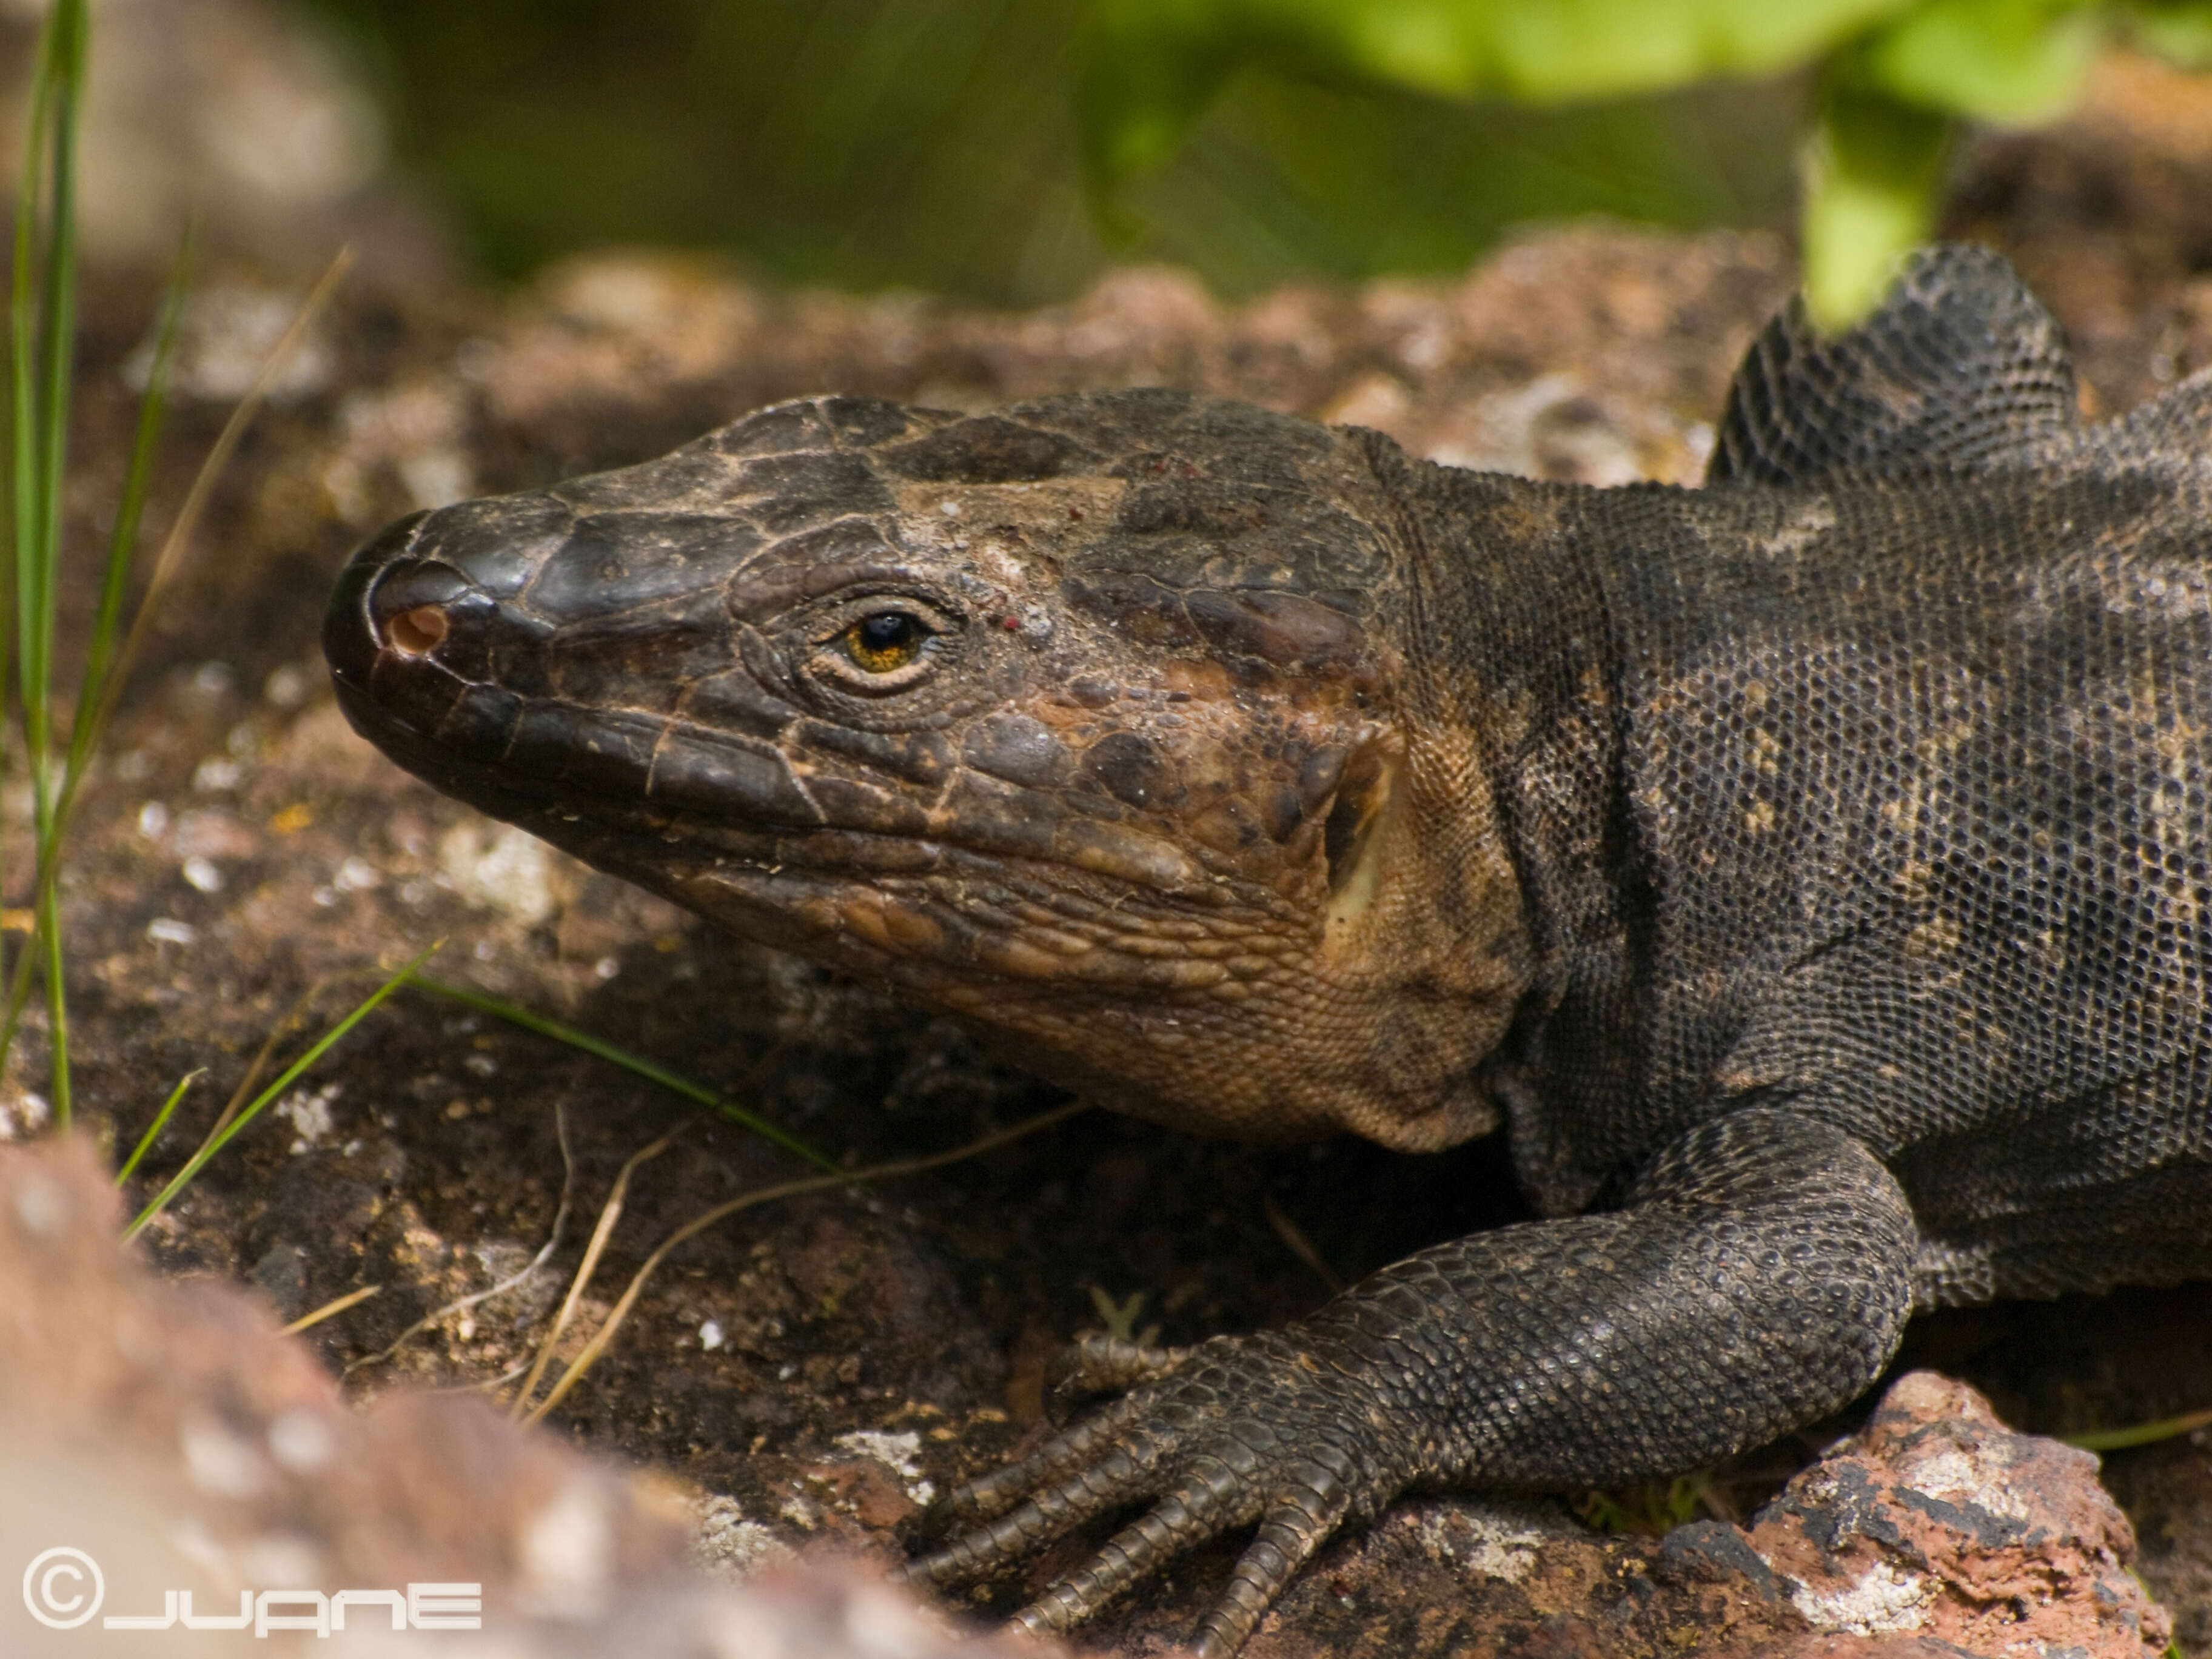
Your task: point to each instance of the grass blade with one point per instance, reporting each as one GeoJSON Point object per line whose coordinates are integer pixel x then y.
{"type": "Point", "coordinates": [25, 430]}
{"type": "Point", "coordinates": [42, 336]}
{"type": "Point", "coordinates": [517, 1015]}
{"type": "Point", "coordinates": [215, 1143]}
{"type": "Point", "coordinates": [610, 1213]}
{"type": "Point", "coordinates": [528, 1270]}
{"type": "Point", "coordinates": [336, 1304]}
{"type": "Point", "coordinates": [115, 583]}
{"type": "Point", "coordinates": [57, 337]}
{"type": "Point", "coordinates": [2140, 1434]}
{"type": "Point", "coordinates": [164, 568]}
{"type": "Point", "coordinates": [160, 1120]}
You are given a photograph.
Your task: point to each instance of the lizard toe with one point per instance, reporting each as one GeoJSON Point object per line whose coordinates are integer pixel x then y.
{"type": "Point", "coordinates": [1065, 1453]}
{"type": "Point", "coordinates": [1099, 1364]}
{"type": "Point", "coordinates": [1218, 1490]}
{"type": "Point", "coordinates": [1122, 1475]}
{"type": "Point", "coordinates": [1240, 1429]}
{"type": "Point", "coordinates": [1293, 1529]}
{"type": "Point", "coordinates": [1207, 1501]}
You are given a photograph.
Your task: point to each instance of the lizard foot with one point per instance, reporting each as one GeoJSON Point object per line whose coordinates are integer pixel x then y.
{"type": "Point", "coordinates": [1236, 1431]}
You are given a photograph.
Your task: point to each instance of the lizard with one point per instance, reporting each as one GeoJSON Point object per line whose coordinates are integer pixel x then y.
{"type": "Point", "coordinates": [1808, 871]}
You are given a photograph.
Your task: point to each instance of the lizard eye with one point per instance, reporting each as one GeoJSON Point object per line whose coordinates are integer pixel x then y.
{"type": "Point", "coordinates": [884, 644]}
{"type": "Point", "coordinates": [885, 641]}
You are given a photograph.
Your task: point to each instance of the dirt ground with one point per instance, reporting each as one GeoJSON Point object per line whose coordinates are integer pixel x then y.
{"type": "Point", "coordinates": [244, 864]}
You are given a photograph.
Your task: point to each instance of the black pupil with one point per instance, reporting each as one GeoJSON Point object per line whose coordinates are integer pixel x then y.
{"type": "Point", "coordinates": [889, 630]}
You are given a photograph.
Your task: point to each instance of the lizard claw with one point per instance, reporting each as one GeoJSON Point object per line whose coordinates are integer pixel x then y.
{"type": "Point", "coordinates": [1239, 1431]}
{"type": "Point", "coordinates": [1296, 1526]}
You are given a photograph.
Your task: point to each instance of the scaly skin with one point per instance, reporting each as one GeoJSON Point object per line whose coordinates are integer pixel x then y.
{"type": "Point", "coordinates": [1810, 870]}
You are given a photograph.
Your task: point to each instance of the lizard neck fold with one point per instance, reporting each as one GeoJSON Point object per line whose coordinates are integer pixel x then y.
{"type": "Point", "coordinates": [1511, 716]}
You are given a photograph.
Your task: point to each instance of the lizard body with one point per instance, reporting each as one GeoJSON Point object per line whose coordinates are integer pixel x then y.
{"type": "Point", "coordinates": [1811, 871]}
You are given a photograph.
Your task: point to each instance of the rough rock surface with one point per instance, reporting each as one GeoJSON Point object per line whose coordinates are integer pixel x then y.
{"type": "Point", "coordinates": [198, 1447]}
{"type": "Point", "coordinates": [1936, 1529]}
{"type": "Point", "coordinates": [171, 1434]}
{"type": "Point", "coordinates": [817, 1370]}
{"type": "Point", "coordinates": [1936, 1518]}
{"type": "Point", "coordinates": [184, 1443]}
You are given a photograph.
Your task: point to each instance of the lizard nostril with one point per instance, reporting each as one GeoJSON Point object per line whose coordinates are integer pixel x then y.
{"type": "Point", "coordinates": [416, 633]}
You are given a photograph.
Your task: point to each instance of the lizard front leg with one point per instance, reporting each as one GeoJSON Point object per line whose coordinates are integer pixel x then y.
{"type": "Point", "coordinates": [1759, 1277]}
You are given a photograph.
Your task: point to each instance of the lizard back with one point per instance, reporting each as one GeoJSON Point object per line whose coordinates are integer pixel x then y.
{"type": "Point", "coordinates": [1913, 716]}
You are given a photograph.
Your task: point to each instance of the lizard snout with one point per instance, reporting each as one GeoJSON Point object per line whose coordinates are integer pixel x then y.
{"type": "Point", "coordinates": [407, 613]}
{"type": "Point", "coordinates": [428, 591]}
{"type": "Point", "coordinates": [414, 608]}
{"type": "Point", "coordinates": [408, 637]}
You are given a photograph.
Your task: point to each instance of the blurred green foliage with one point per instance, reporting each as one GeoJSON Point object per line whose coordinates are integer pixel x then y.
{"type": "Point", "coordinates": [1896, 77]}
{"type": "Point", "coordinates": [934, 144]}
{"type": "Point", "coordinates": [1004, 149]}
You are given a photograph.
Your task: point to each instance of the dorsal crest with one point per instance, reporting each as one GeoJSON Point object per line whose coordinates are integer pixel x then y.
{"type": "Point", "coordinates": [1960, 368]}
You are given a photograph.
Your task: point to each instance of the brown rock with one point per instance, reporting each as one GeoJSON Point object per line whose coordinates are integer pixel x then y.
{"type": "Point", "coordinates": [1936, 1518]}
{"type": "Point", "coordinates": [188, 1395]}
{"type": "Point", "coordinates": [162, 1440]}
{"type": "Point", "coordinates": [1934, 1531]}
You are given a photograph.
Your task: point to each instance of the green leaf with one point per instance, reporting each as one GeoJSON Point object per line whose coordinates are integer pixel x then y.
{"type": "Point", "coordinates": [1871, 175]}
{"type": "Point", "coordinates": [1151, 66]}
{"type": "Point", "coordinates": [1145, 73]}
{"type": "Point", "coordinates": [2007, 61]}
{"type": "Point", "coordinates": [2179, 31]}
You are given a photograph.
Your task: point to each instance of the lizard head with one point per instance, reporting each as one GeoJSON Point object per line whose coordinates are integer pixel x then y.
{"type": "Point", "coordinates": [1084, 718]}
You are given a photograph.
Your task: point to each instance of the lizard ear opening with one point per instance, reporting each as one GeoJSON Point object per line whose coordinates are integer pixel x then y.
{"type": "Point", "coordinates": [1959, 367]}
{"type": "Point", "coordinates": [1353, 833]}
{"type": "Point", "coordinates": [1359, 791]}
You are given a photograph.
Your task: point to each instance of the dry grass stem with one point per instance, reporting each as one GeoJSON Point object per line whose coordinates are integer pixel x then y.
{"type": "Point", "coordinates": [335, 1305]}
{"type": "Point", "coordinates": [610, 1213]}
{"type": "Point", "coordinates": [521, 1275]}
{"type": "Point", "coordinates": [597, 1346]}
{"type": "Point", "coordinates": [1295, 1240]}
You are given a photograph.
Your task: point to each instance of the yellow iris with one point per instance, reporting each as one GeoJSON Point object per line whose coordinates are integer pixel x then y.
{"type": "Point", "coordinates": [885, 642]}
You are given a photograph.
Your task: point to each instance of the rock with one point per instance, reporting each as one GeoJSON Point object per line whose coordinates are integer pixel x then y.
{"type": "Point", "coordinates": [1934, 1531]}
{"type": "Point", "coordinates": [1937, 1519]}
{"type": "Point", "coordinates": [118, 1390]}
{"type": "Point", "coordinates": [165, 1440]}
{"type": "Point", "coordinates": [185, 1444]}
